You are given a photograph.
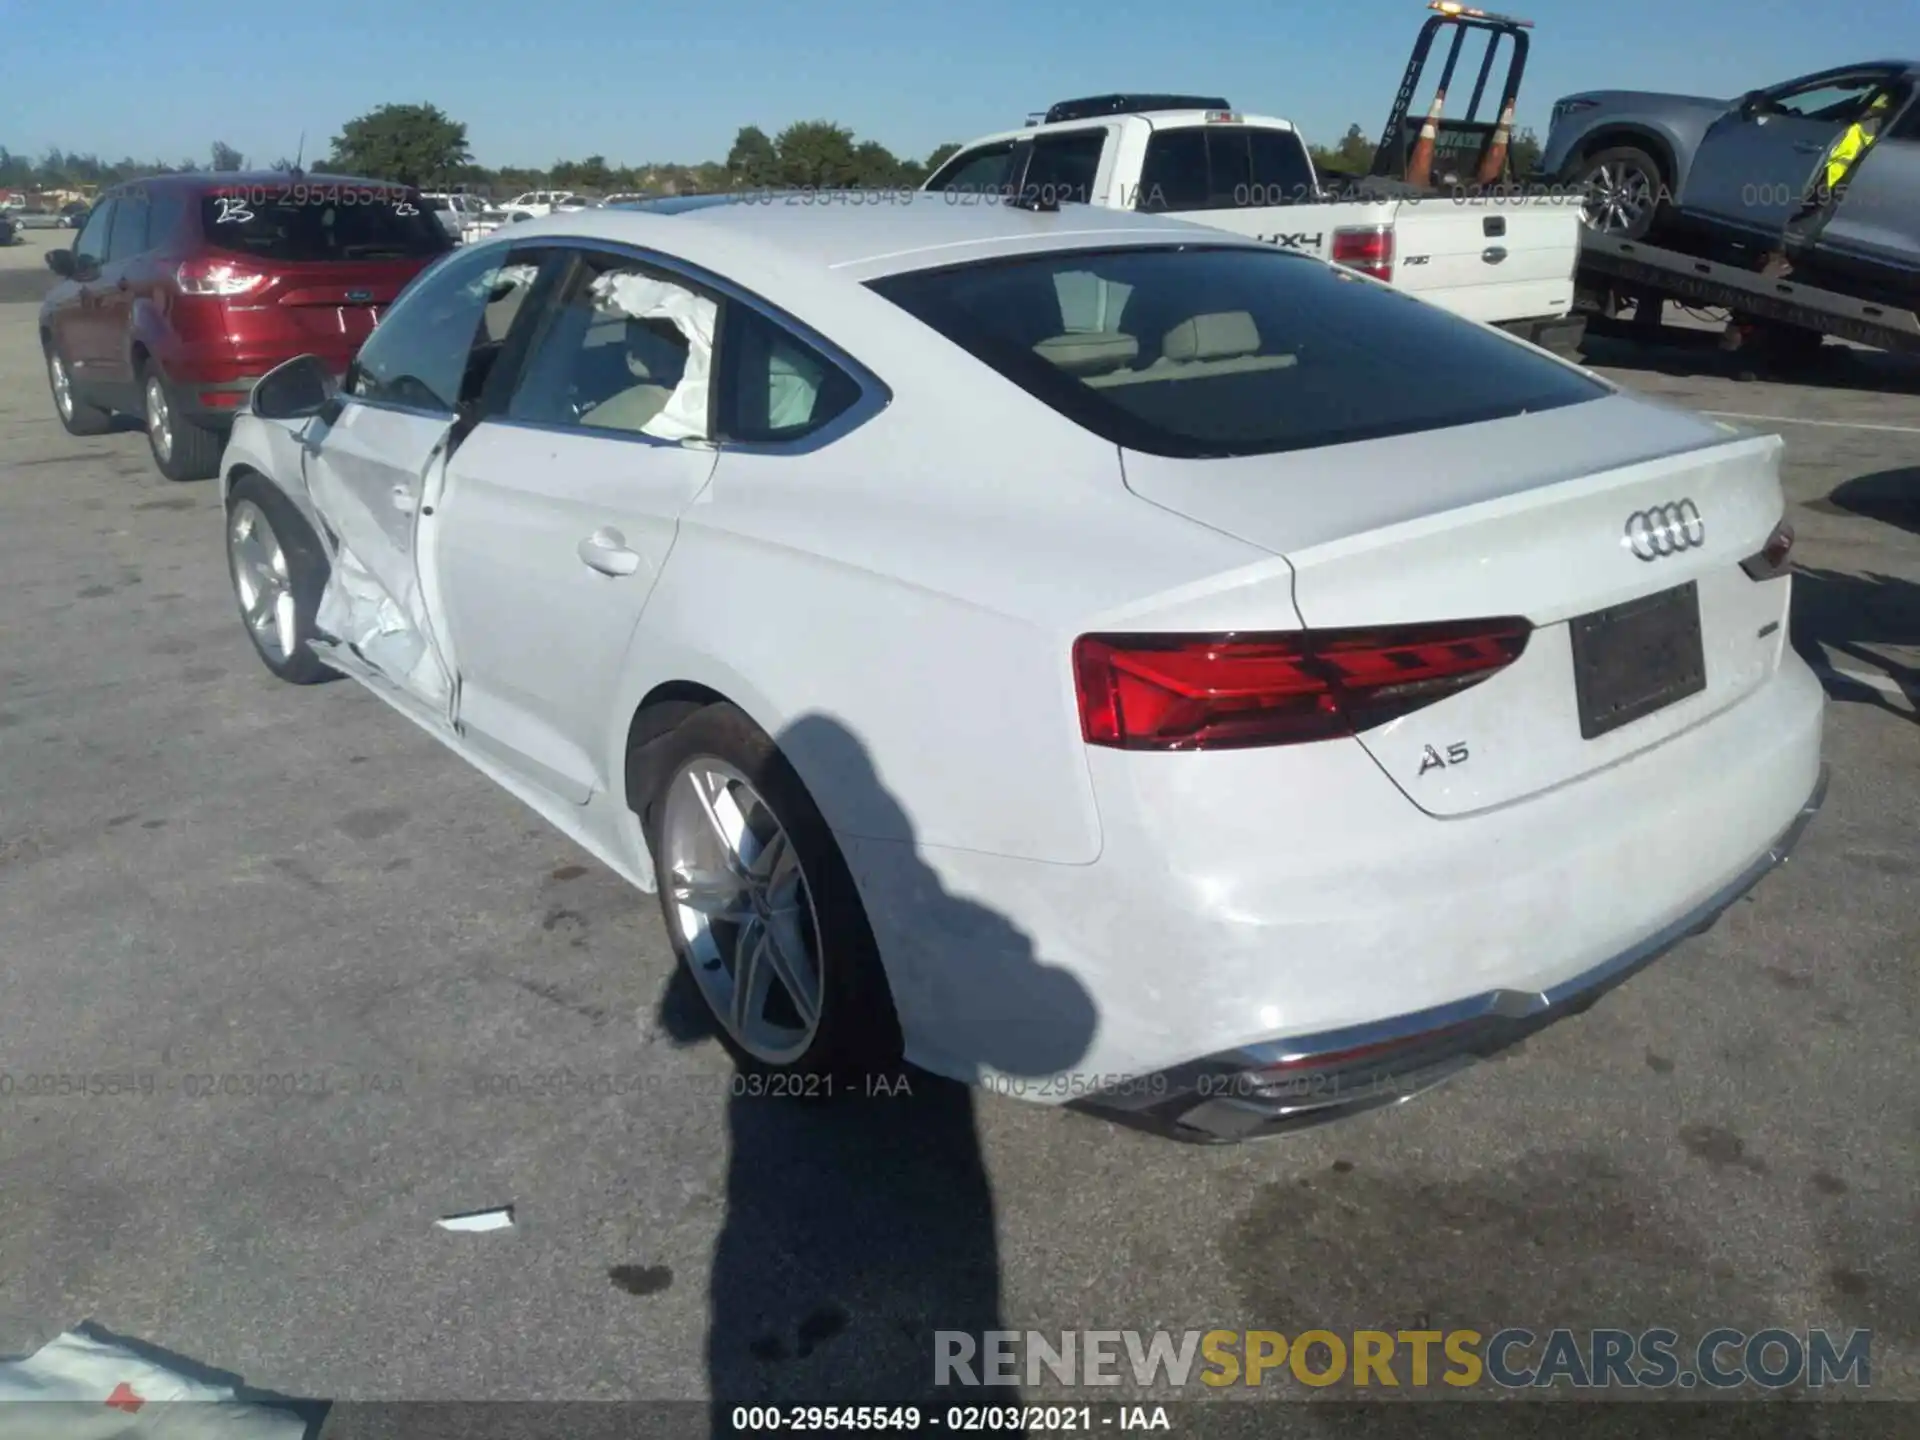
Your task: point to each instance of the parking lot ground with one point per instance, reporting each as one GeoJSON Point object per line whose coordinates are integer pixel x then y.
{"type": "Point", "coordinates": [208, 878]}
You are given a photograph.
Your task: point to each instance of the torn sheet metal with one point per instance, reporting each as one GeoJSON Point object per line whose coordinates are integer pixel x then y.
{"type": "Point", "coordinates": [82, 1387]}
{"type": "Point", "coordinates": [357, 610]}
{"type": "Point", "coordinates": [641, 297]}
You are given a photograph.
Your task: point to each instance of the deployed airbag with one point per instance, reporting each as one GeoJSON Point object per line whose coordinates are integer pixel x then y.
{"type": "Point", "coordinates": [641, 297]}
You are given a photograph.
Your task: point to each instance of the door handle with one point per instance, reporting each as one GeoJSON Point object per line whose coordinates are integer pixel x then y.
{"type": "Point", "coordinates": [404, 500]}
{"type": "Point", "coordinates": [1810, 147]}
{"type": "Point", "coordinates": [606, 551]}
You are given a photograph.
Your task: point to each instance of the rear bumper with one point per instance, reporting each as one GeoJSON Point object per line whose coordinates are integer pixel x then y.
{"type": "Point", "coordinates": [1305, 1080]}
{"type": "Point", "coordinates": [212, 389]}
{"type": "Point", "coordinates": [1250, 907]}
{"type": "Point", "coordinates": [213, 403]}
{"type": "Point", "coordinates": [1560, 334]}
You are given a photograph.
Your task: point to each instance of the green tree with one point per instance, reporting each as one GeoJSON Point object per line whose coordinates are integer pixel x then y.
{"type": "Point", "coordinates": [1523, 153]}
{"type": "Point", "coordinates": [407, 144]}
{"type": "Point", "coordinates": [753, 163]}
{"type": "Point", "coordinates": [817, 154]}
{"type": "Point", "coordinates": [225, 158]}
{"type": "Point", "coordinates": [1354, 154]}
{"type": "Point", "coordinates": [875, 166]}
{"type": "Point", "coordinates": [941, 154]}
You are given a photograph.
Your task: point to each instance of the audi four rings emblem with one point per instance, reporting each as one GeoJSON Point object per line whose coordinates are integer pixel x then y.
{"type": "Point", "coordinates": [1666, 530]}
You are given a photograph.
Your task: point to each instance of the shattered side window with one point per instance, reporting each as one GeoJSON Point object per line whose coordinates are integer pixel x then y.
{"type": "Point", "coordinates": [504, 290]}
{"type": "Point", "coordinates": [421, 355]}
{"type": "Point", "coordinates": [629, 351]}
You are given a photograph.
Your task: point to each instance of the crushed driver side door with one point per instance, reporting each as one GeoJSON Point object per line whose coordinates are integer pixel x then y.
{"type": "Point", "coordinates": [376, 458]}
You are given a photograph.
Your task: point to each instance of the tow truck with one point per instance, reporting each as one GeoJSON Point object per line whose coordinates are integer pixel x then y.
{"type": "Point", "coordinates": [1613, 275]}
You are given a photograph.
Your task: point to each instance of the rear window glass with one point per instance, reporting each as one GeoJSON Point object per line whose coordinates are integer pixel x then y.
{"type": "Point", "coordinates": [320, 221]}
{"type": "Point", "coordinates": [1224, 167]}
{"type": "Point", "coordinates": [1202, 351]}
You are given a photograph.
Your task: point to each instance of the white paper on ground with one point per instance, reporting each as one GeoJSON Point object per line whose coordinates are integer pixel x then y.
{"type": "Point", "coordinates": [501, 1219]}
{"type": "Point", "coordinates": [76, 1387]}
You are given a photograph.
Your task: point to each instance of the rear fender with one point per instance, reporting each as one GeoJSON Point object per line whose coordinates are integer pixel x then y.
{"type": "Point", "coordinates": [148, 331]}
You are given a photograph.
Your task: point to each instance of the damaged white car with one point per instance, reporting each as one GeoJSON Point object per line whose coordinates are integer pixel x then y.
{"type": "Point", "coordinates": [1061, 648]}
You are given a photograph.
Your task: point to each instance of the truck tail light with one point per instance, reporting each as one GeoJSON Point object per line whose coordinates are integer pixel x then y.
{"type": "Point", "coordinates": [1366, 248]}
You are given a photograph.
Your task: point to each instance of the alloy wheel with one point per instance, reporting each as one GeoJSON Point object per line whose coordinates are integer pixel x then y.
{"type": "Point", "coordinates": [159, 418]}
{"type": "Point", "coordinates": [740, 898]}
{"type": "Point", "coordinates": [261, 580]}
{"type": "Point", "coordinates": [1619, 195]}
{"type": "Point", "coordinates": [62, 386]}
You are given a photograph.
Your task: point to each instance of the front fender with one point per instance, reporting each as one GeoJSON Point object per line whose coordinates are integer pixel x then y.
{"type": "Point", "coordinates": [271, 449]}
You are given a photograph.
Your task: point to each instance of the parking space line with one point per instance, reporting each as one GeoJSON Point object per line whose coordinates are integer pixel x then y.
{"type": "Point", "coordinates": [1826, 424]}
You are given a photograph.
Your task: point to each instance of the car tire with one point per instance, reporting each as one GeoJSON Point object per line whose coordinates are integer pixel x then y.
{"type": "Point", "coordinates": [80, 417]}
{"type": "Point", "coordinates": [718, 753]}
{"type": "Point", "coordinates": [182, 448]}
{"type": "Point", "coordinates": [278, 571]}
{"type": "Point", "coordinates": [1627, 191]}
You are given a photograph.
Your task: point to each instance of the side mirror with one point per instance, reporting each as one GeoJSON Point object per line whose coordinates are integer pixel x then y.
{"type": "Point", "coordinates": [1753, 103]}
{"type": "Point", "coordinates": [297, 390]}
{"type": "Point", "coordinates": [60, 262]}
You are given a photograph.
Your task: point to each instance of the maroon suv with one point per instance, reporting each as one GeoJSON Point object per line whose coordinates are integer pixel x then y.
{"type": "Point", "coordinates": [182, 290]}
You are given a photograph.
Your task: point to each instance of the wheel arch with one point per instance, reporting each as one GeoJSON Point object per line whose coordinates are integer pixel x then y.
{"type": "Point", "coordinates": [230, 475]}
{"type": "Point", "coordinates": [659, 711]}
{"type": "Point", "coordinates": [1640, 137]}
{"type": "Point", "coordinates": [144, 336]}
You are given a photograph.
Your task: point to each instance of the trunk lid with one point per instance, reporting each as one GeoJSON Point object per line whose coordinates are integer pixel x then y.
{"type": "Point", "coordinates": [1525, 517]}
{"type": "Point", "coordinates": [334, 301]}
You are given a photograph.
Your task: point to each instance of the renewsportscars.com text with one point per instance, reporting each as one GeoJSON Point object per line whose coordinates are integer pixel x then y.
{"type": "Point", "coordinates": [1512, 1359]}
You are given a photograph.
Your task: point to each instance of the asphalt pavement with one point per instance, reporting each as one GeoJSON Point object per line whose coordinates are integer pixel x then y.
{"type": "Point", "coordinates": [208, 878]}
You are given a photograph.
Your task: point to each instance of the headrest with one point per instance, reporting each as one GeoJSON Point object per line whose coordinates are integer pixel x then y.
{"type": "Point", "coordinates": [1218, 336]}
{"type": "Point", "coordinates": [1089, 353]}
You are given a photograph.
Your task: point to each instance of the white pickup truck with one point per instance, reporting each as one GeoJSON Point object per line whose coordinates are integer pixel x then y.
{"type": "Point", "coordinates": [1502, 259]}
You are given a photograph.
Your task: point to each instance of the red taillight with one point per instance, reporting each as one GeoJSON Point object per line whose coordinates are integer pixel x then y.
{"type": "Point", "coordinates": [217, 277]}
{"type": "Point", "coordinates": [1366, 248]}
{"type": "Point", "coordinates": [1218, 692]}
{"type": "Point", "coordinates": [1772, 561]}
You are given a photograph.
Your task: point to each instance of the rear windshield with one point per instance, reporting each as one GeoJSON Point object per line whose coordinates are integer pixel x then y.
{"type": "Point", "coordinates": [1201, 351]}
{"type": "Point", "coordinates": [1224, 167]}
{"type": "Point", "coordinates": [322, 221]}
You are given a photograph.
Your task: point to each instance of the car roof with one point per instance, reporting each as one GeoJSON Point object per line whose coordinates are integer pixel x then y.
{"type": "Point", "coordinates": [215, 179]}
{"type": "Point", "coordinates": [858, 235]}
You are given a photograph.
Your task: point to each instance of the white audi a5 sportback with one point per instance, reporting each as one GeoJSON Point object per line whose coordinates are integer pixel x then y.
{"type": "Point", "coordinates": [1090, 655]}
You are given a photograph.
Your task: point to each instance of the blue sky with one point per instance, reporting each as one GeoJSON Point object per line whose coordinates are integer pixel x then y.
{"type": "Point", "coordinates": [567, 78]}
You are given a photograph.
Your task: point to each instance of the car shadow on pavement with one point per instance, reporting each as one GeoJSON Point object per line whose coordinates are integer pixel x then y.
{"type": "Point", "coordinates": [1849, 616]}
{"type": "Point", "coordinates": [858, 1227]}
{"type": "Point", "coordinates": [1890, 496]}
{"type": "Point", "coordinates": [1687, 353]}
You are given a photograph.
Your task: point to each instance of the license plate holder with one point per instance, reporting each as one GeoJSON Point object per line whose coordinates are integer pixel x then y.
{"type": "Point", "coordinates": [1634, 659]}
